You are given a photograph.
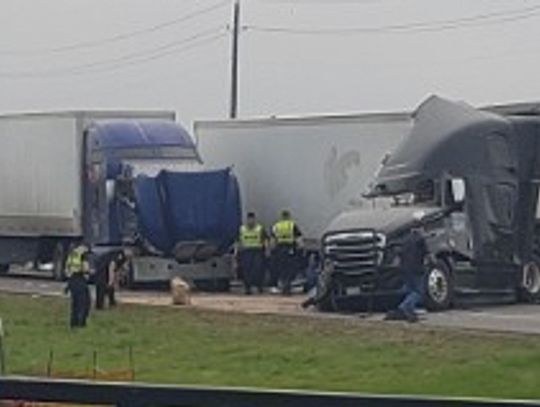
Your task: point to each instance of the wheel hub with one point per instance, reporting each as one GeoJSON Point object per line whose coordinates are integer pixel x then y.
{"type": "Point", "coordinates": [531, 278]}
{"type": "Point", "coordinates": [437, 285]}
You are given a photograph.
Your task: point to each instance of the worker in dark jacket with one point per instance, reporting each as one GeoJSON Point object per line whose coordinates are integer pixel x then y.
{"type": "Point", "coordinates": [413, 254]}
{"type": "Point", "coordinates": [250, 253]}
{"type": "Point", "coordinates": [287, 240]}
{"type": "Point", "coordinates": [77, 268]}
{"type": "Point", "coordinates": [108, 270]}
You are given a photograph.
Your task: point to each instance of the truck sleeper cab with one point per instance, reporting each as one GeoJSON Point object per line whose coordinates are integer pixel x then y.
{"type": "Point", "coordinates": [471, 179]}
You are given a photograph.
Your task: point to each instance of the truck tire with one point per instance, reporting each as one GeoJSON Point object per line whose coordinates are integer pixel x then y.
{"type": "Point", "coordinates": [438, 286]}
{"type": "Point", "coordinates": [4, 268]}
{"type": "Point", "coordinates": [529, 291]}
{"type": "Point", "coordinates": [329, 287]}
{"type": "Point", "coordinates": [328, 304]}
{"type": "Point", "coordinates": [59, 262]}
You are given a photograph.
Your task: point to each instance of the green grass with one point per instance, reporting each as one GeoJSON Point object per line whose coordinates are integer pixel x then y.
{"type": "Point", "coordinates": [172, 345]}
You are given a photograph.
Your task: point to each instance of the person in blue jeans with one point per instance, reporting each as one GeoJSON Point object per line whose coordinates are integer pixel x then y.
{"type": "Point", "coordinates": [413, 253]}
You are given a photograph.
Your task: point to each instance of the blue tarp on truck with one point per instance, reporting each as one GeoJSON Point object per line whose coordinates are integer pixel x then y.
{"type": "Point", "coordinates": [176, 207]}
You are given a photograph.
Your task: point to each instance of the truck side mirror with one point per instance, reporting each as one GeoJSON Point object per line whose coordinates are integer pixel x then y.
{"type": "Point", "coordinates": [457, 187]}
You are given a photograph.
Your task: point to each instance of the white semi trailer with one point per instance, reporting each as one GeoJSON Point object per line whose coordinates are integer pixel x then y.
{"type": "Point", "coordinates": [317, 167]}
{"type": "Point", "coordinates": [114, 179]}
{"type": "Point", "coordinates": [44, 173]}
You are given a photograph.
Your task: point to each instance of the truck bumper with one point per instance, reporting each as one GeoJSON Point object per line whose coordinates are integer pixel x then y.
{"type": "Point", "coordinates": [380, 290]}
{"type": "Point", "coordinates": [156, 269]}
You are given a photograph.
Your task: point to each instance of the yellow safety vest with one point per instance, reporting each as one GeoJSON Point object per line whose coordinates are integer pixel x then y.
{"type": "Point", "coordinates": [251, 238]}
{"type": "Point", "coordinates": [75, 260]}
{"type": "Point", "coordinates": [284, 232]}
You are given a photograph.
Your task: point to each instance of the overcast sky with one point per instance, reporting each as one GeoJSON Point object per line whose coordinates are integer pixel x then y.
{"type": "Point", "coordinates": [296, 57]}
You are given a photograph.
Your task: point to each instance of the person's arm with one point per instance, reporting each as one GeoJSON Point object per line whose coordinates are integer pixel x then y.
{"type": "Point", "coordinates": [112, 274]}
{"type": "Point", "coordinates": [428, 257]}
{"type": "Point", "coordinates": [298, 236]}
{"type": "Point", "coordinates": [273, 239]}
{"type": "Point", "coordinates": [266, 242]}
{"type": "Point", "coordinates": [86, 264]}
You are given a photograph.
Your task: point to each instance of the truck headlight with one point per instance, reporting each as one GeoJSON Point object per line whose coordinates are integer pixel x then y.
{"type": "Point", "coordinates": [381, 240]}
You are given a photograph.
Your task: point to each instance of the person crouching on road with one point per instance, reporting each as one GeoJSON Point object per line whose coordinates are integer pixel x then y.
{"type": "Point", "coordinates": [413, 253]}
{"type": "Point", "coordinates": [250, 253]}
{"type": "Point", "coordinates": [108, 271]}
{"type": "Point", "coordinates": [287, 240]}
{"type": "Point", "coordinates": [78, 268]}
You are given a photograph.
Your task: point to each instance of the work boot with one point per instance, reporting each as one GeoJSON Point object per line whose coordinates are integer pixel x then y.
{"type": "Point", "coordinates": [411, 317]}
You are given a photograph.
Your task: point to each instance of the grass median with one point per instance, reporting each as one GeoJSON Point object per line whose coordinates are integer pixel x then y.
{"type": "Point", "coordinates": [185, 346]}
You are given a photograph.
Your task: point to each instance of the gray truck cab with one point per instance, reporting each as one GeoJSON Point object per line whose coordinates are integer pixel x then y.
{"type": "Point", "coordinates": [471, 179]}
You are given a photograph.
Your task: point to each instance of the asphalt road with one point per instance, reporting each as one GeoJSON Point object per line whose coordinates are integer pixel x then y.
{"type": "Point", "coordinates": [509, 318]}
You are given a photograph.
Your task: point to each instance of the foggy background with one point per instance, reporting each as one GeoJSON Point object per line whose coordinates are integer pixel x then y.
{"type": "Point", "coordinates": [296, 57]}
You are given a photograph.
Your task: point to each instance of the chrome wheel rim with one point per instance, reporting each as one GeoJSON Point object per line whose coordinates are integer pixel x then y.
{"type": "Point", "coordinates": [437, 285]}
{"type": "Point", "coordinates": [531, 278]}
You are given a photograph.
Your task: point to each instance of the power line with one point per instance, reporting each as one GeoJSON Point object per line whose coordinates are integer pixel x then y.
{"type": "Point", "coordinates": [123, 65]}
{"type": "Point", "coordinates": [194, 45]}
{"type": "Point", "coordinates": [118, 37]}
{"type": "Point", "coordinates": [428, 26]}
{"type": "Point", "coordinates": [175, 47]}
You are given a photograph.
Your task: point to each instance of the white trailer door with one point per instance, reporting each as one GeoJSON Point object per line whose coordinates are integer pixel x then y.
{"type": "Point", "coordinates": [40, 176]}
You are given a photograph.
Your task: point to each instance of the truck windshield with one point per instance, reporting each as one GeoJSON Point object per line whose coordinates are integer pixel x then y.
{"type": "Point", "coordinates": [153, 167]}
{"type": "Point", "coordinates": [411, 199]}
{"type": "Point", "coordinates": [424, 194]}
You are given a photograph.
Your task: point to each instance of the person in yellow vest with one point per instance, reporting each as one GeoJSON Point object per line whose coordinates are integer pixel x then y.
{"type": "Point", "coordinates": [77, 270]}
{"type": "Point", "coordinates": [286, 241]}
{"type": "Point", "coordinates": [250, 253]}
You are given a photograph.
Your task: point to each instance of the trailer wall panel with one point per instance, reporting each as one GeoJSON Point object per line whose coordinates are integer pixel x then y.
{"type": "Point", "coordinates": [315, 167]}
{"type": "Point", "coordinates": [40, 176]}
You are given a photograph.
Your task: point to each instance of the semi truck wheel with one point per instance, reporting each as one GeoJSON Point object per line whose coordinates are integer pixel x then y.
{"type": "Point", "coordinates": [439, 287]}
{"type": "Point", "coordinates": [59, 262]}
{"type": "Point", "coordinates": [530, 281]}
{"type": "Point", "coordinates": [329, 287]}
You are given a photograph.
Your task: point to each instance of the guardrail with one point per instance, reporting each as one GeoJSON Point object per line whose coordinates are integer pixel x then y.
{"type": "Point", "coordinates": [139, 395]}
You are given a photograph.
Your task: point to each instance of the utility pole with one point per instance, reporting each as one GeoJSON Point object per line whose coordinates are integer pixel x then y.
{"type": "Point", "coordinates": [234, 60]}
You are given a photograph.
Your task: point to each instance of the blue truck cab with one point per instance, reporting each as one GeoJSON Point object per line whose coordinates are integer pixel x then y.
{"type": "Point", "coordinates": [147, 189]}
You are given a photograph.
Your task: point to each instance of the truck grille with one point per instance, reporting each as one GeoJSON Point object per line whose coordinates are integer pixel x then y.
{"type": "Point", "coordinates": [354, 252]}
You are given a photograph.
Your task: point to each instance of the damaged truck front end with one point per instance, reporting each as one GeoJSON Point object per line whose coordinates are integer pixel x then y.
{"type": "Point", "coordinates": [362, 269]}
{"type": "Point", "coordinates": [471, 178]}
